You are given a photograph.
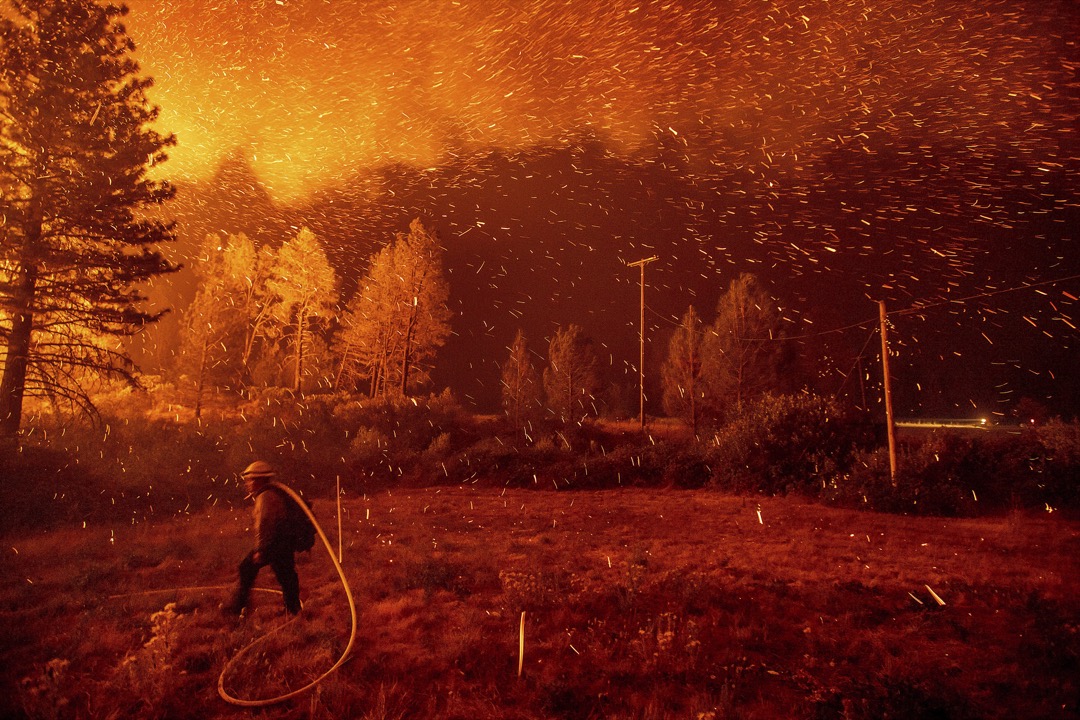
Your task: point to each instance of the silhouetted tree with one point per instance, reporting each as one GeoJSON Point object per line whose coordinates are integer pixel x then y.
{"type": "Point", "coordinates": [572, 377]}
{"type": "Point", "coordinates": [75, 148]}
{"type": "Point", "coordinates": [681, 373]}
{"type": "Point", "coordinates": [204, 331]}
{"type": "Point", "coordinates": [304, 287]}
{"type": "Point", "coordinates": [743, 356]}
{"type": "Point", "coordinates": [399, 317]}
{"type": "Point", "coordinates": [521, 389]}
{"type": "Point", "coordinates": [250, 302]}
{"type": "Point", "coordinates": [230, 314]}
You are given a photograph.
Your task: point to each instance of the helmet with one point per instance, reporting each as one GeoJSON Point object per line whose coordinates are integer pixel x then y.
{"type": "Point", "coordinates": [258, 469]}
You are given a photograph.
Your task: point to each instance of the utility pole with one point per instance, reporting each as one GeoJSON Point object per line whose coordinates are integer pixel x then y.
{"type": "Point", "coordinates": [641, 359]}
{"type": "Point", "coordinates": [889, 420]}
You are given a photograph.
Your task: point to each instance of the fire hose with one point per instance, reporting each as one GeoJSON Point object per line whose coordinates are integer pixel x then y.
{"type": "Point", "coordinates": [352, 632]}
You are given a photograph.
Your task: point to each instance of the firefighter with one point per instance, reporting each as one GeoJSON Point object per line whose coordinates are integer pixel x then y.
{"type": "Point", "coordinates": [274, 544]}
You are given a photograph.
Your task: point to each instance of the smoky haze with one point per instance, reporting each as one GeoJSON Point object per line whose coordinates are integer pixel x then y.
{"type": "Point", "coordinates": [540, 238]}
{"type": "Point", "coordinates": [921, 153]}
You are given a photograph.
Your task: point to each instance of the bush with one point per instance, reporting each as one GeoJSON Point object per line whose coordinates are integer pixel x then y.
{"type": "Point", "coordinates": [491, 460]}
{"type": "Point", "coordinates": [925, 483]}
{"type": "Point", "coordinates": [368, 448]}
{"type": "Point", "coordinates": [42, 486]}
{"type": "Point", "coordinates": [1061, 479]}
{"type": "Point", "coordinates": [946, 473]}
{"type": "Point", "coordinates": [667, 464]}
{"type": "Point", "coordinates": [146, 454]}
{"type": "Point", "coordinates": [364, 441]}
{"type": "Point", "coordinates": [787, 443]}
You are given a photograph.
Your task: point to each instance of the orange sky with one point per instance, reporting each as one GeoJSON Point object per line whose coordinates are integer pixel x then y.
{"type": "Point", "coordinates": [314, 89]}
{"type": "Point", "coordinates": [912, 134]}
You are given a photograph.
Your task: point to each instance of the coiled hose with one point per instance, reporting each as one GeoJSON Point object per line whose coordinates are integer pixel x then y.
{"type": "Point", "coordinates": [352, 632]}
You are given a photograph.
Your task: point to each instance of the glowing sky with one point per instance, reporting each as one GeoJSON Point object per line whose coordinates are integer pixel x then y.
{"type": "Point", "coordinates": [917, 151]}
{"type": "Point", "coordinates": [313, 88]}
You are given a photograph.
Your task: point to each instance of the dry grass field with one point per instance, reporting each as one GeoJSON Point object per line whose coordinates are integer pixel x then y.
{"type": "Point", "coordinates": [637, 604]}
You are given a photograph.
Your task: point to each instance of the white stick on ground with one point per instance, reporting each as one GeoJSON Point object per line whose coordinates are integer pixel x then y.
{"type": "Point", "coordinates": [339, 555]}
{"type": "Point", "coordinates": [521, 644]}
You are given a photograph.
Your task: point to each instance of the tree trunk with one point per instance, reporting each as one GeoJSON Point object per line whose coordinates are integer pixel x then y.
{"type": "Point", "coordinates": [251, 336]}
{"type": "Point", "coordinates": [382, 360]}
{"type": "Point", "coordinates": [692, 381]}
{"type": "Point", "coordinates": [344, 364]}
{"type": "Point", "coordinates": [299, 370]}
{"type": "Point", "coordinates": [200, 383]}
{"type": "Point", "coordinates": [569, 394]}
{"type": "Point", "coordinates": [406, 359]}
{"type": "Point", "coordinates": [515, 397]}
{"type": "Point", "coordinates": [13, 384]}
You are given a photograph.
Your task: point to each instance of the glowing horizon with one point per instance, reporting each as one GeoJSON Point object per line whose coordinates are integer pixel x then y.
{"type": "Point", "coordinates": [310, 92]}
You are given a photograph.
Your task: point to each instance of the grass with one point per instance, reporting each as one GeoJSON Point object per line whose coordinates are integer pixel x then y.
{"type": "Point", "coordinates": [638, 604]}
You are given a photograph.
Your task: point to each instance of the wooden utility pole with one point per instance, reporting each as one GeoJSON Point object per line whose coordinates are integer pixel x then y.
{"type": "Point", "coordinates": [641, 359]}
{"type": "Point", "coordinates": [890, 421]}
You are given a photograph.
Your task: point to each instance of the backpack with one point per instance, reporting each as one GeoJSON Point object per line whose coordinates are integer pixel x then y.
{"type": "Point", "coordinates": [298, 526]}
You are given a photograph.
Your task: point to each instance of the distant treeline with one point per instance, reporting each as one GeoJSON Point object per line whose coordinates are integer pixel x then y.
{"type": "Point", "coordinates": [149, 458]}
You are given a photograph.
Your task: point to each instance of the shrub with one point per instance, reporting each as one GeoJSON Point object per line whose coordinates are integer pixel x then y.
{"type": "Point", "coordinates": [1061, 444]}
{"type": "Point", "coordinates": [491, 460]}
{"type": "Point", "coordinates": [785, 443]}
{"type": "Point", "coordinates": [383, 440]}
{"type": "Point", "coordinates": [147, 454]}
{"type": "Point", "coordinates": [126, 466]}
{"type": "Point", "coordinates": [1062, 441]}
{"type": "Point", "coordinates": [865, 483]}
{"type": "Point", "coordinates": [667, 464]}
{"type": "Point", "coordinates": [946, 473]}
{"type": "Point", "coordinates": [927, 482]}
{"type": "Point", "coordinates": [368, 448]}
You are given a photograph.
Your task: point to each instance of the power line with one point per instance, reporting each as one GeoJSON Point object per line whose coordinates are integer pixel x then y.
{"type": "Point", "coordinates": [858, 359]}
{"type": "Point", "coordinates": [913, 310]}
{"type": "Point", "coordinates": [671, 322]}
{"type": "Point", "coordinates": [919, 308]}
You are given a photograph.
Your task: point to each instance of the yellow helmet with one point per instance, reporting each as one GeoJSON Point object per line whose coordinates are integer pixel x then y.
{"type": "Point", "coordinates": [258, 469]}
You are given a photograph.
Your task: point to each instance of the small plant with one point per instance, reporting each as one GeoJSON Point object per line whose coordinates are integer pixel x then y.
{"type": "Point", "coordinates": [149, 673]}
{"type": "Point", "coordinates": [668, 643]}
{"type": "Point", "coordinates": [434, 574]}
{"type": "Point", "coordinates": [45, 695]}
{"type": "Point", "coordinates": [531, 591]}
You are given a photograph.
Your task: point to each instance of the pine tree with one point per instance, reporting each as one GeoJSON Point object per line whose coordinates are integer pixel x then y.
{"type": "Point", "coordinates": [365, 337]}
{"type": "Point", "coordinates": [399, 317]}
{"type": "Point", "coordinates": [520, 383]}
{"type": "Point", "coordinates": [75, 146]}
{"type": "Point", "coordinates": [681, 372]}
{"type": "Point", "coordinates": [250, 302]}
{"type": "Point", "coordinates": [229, 317]}
{"type": "Point", "coordinates": [572, 377]}
{"type": "Point", "coordinates": [305, 294]}
{"type": "Point", "coordinates": [204, 331]}
{"type": "Point", "coordinates": [742, 354]}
